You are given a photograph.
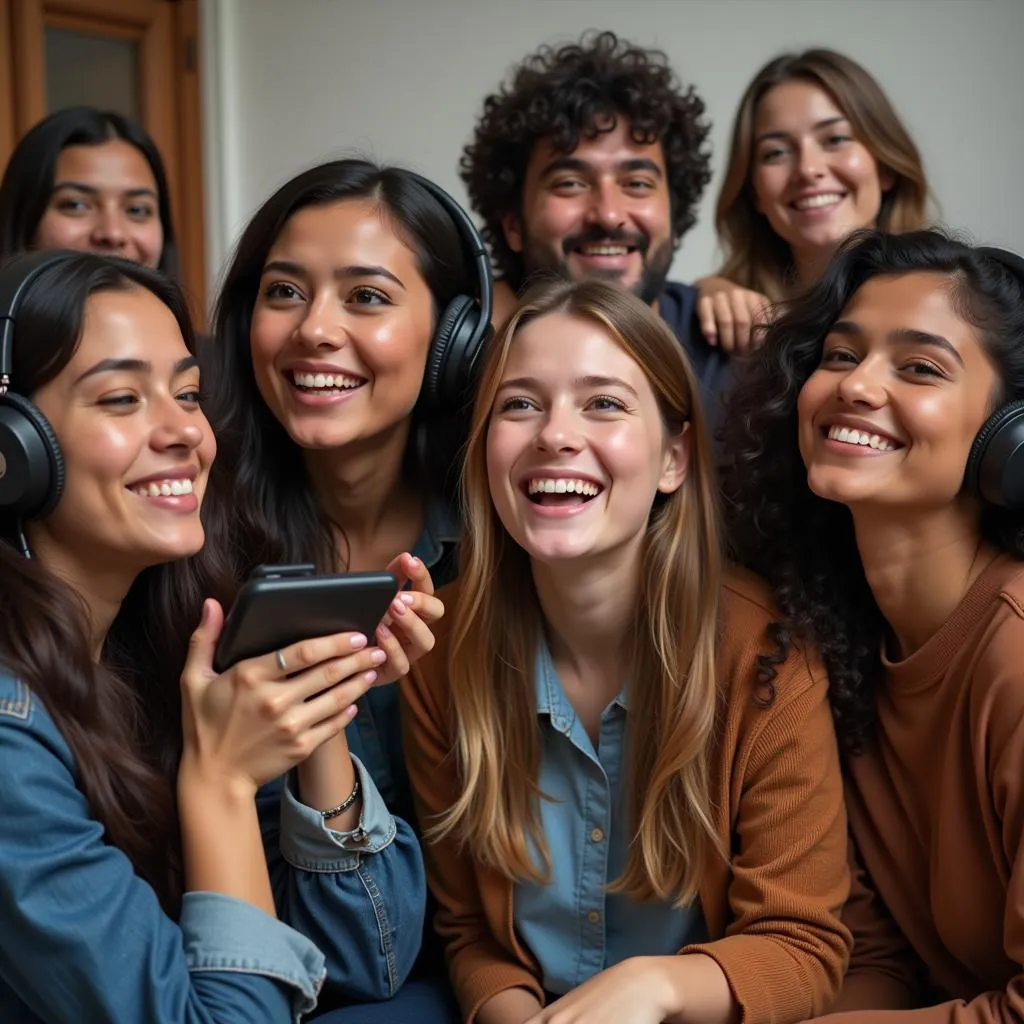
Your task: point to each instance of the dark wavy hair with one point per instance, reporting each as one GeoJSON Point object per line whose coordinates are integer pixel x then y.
{"type": "Point", "coordinates": [579, 91]}
{"type": "Point", "coordinates": [262, 507]}
{"type": "Point", "coordinates": [802, 544]}
{"type": "Point", "coordinates": [27, 184]}
{"type": "Point", "coordinates": [120, 717]}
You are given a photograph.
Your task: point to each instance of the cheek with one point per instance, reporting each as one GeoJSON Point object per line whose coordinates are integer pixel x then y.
{"type": "Point", "coordinates": [768, 184]}
{"type": "Point", "coordinates": [57, 232]}
{"type": "Point", "coordinates": [151, 242]}
{"type": "Point", "coordinates": [267, 337]}
{"type": "Point", "coordinates": [858, 167]}
{"type": "Point", "coordinates": [397, 352]}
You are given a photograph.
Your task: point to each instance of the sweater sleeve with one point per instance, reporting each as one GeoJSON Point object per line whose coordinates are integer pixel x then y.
{"type": "Point", "coordinates": [479, 967]}
{"type": "Point", "coordinates": [785, 948]}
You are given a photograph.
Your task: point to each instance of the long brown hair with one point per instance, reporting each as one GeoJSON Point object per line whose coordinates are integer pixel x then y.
{"type": "Point", "coordinates": [121, 718]}
{"type": "Point", "coordinates": [755, 256]}
{"type": "Point", "coordinates": [498, 625]}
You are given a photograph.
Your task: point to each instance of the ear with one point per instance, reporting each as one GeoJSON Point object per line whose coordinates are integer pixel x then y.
{"type": "Point", "coordinates": [512, 230]}
{"type": "Point", "coordinates": [676, 461]}
{"type": "Point", "coordinates": [886, 178]}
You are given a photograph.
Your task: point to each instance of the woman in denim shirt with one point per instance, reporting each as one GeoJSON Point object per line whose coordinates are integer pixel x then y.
{"type": "Point", "coordinates": [133, 880]}
{"type": "Point", "coordinates": [331, 455]}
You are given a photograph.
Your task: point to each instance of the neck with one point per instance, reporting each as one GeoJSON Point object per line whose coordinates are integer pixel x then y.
{"type": "Point", "coordinates": [920, 567]}
{"type": "Point", "coordinates": [359, 485]}
{"type": "Point", "coordinates": [588, 610]}
{"type": "Point", "coordinates": [101, 586]}
{"type": "Point", "coordinates": [810, 264]}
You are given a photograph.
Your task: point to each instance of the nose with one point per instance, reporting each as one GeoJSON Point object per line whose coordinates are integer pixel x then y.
{"type": "Point", "coordinates": [864, 384]}
{"type": "Point", "coordinates": [109, 230]}
{"type": "Point", "coordinates": [559, 430]}
{"type": "Point", "coordinates": [321, 327]}
{"type": "Point", "coordinates": [176, 428]}
{"type": "Point", "coordinates": [606, 206]}
{"type": "Point", "coordinates": [810, 165]}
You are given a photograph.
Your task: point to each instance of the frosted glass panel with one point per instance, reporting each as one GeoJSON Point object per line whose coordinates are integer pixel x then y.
{"type": "Point", "coordinates": [97, 71]}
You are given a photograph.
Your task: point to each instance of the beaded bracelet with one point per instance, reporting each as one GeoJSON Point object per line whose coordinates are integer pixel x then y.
{"type": "Point", "coordinates": [342, 807]}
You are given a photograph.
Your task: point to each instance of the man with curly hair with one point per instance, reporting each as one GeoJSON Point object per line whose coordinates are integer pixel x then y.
{"type": "Point", "coordinates": [590, 163]}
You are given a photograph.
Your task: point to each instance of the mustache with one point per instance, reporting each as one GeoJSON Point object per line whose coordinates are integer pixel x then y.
{"type": "Point", "coordinates": [598, 236]}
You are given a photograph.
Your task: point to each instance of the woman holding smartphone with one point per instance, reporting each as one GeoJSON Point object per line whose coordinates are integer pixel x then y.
{"type": "Point", "coordinates": [134, 879]}
{"type": "Point", "coordinates": [632, 796]}
{"type": "Point", "coordinates": [340, 343]}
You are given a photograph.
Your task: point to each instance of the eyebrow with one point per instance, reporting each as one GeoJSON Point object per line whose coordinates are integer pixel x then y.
{"type": "Point", "coordinates": [92, 190]}
{"type": "Point", "coordinates": [590, 381]}
{"type": "Point", "coordinates": [134, 366]}
{"type": "Point", "coordinates": [902, 336]}
{"type": "Point", "coordinates": [351, 270]}
{"type": "Point", "coordinates": [574, 163]}
{"type": "Point", "coordinates": [817, 126]}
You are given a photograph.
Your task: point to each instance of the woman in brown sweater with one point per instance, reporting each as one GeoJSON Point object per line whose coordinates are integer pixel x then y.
{"type": "Point", "coordinates": [632, 800]}
{"type": "Point", "coordinates": [878, 483]}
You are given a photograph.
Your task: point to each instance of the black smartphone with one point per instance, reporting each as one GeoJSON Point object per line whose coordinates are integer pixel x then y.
{"type": "Point", "coordinates": [283, 604]}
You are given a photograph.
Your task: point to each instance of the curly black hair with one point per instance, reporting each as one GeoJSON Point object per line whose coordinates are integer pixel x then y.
{"type": "Point", "coordinates": [803, 545]}
{"type": "Point", "coordinates": [578, 91]}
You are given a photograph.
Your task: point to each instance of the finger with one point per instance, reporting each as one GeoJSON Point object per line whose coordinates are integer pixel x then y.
{"type": "Point", "coordinates": [329, 674]}
{"type": "Point", "coordinates": [317, 735]}
{"type": "Point", "coordinates": [426, 606]}
{"type": "Point", "coordinates": [414, 635]}
{"type": "Point", "coordinates": [334, 701]}
{"type": "Point", "coordinates": [706, 318]}
{"type": "Point", "coordinates": [397, 664]}
{"type": "Point", "coordinates": [723, 317]}
{"type": "Point", "coordinates": [740, 321]}
{"type": "Point", "coordinates": [306, 654]}
{"type": "Point", "coordinates": [418, 574]}
{"type": "Point", "coordinates": [203, 643]}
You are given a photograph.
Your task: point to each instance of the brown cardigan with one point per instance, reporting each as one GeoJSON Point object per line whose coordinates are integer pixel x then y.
{"type": "Point", "coordinates": [772, 911]}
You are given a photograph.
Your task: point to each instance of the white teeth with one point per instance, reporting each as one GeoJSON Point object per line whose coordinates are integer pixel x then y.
{"type": "Point", "coordinates": [563, 485]}
{"type": "Point", "coordinates": [814, 202]}
{"type": "Point", "coordinates": [327, 381]}
{"type": "Point", "coordinates": [861, 437]}
{"type": "Point", "coordinates": [163, 488]}
{"type": "Point", "coordinates": [604, 250]}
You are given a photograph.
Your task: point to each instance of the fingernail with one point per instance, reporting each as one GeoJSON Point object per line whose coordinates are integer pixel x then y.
{"type": "Point", "coordinates": [378, 657]}
{"type": "Point", "coordinates": [383, 630]}
{"type": "Point", "coordinates": [370, 676]}
{"type": "Point", "coordinates": [357, 641]}
{"type": "Point", "coordinates": [398, 607]}
{"type": "Point", "coordinates": [413, 560]}
{"type": "Point", "coordinates": [406, 598]}
{"type": "Point", "coordinates": [352, 711]}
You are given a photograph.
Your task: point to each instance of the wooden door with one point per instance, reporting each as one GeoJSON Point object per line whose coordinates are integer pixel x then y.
{"type": "Point", "coordinates": [136, 57]}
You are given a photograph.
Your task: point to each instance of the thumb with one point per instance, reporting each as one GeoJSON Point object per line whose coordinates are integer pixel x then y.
{"type": "Point", "coordinates": [706, 318]}
{"type": "Point", "coordinates": [204, 640]}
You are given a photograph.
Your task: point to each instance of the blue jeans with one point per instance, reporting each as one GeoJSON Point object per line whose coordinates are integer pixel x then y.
{"type": "Point", "coordinates": [429, 1001]}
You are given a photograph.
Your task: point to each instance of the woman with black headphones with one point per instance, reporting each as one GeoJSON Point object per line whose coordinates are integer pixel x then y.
{"type": "Point", "coordinates": [877, 480]}
{"type": "Point", "coordinates": [345, 336]}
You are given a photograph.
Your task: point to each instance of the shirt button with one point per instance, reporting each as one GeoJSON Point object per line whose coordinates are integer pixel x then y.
{"type": "Point", "coordinates": [593, 917]}
{"type": "Point", "coordinates": [596, 835]}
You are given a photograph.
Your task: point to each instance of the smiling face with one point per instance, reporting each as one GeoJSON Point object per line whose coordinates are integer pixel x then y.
{"type": "Point", "coordinates": [104, 200]}
{"type": "Point", "coordinates": [577, 448]}
{"type": "Point", "coordinates": [341, 327]}
{"type": "Point", "coordinates": [601, 212]}
{"type": "Point", "coordinates": [812, 179]}
{"type": "Point", "coordinates": [903, 387]}
{"type": "Point", "coordinates": [137, 447]}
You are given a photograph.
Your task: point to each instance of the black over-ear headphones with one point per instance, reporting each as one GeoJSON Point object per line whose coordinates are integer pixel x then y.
{"type": "Point", "coordinates": [31, 463]}
{"type": "Point", "coordinates": [463, 326]}
{"type": "Point", "coordinates": [995, 465]}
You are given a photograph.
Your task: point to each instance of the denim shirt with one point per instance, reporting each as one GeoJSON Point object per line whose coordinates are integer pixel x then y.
{"type": "Point", "coordinates": [83, 938]}
{"type": "Point", "coordinates": [573, 927]}
{"type": "Point", "coordinates": [362, 895]}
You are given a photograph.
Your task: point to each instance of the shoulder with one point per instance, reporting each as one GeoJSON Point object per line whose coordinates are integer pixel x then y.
{"type": "Point", "coordinates": [677, 304]}
{"type": "Point", "coordinates": [28, 735]}
{"type": "Point", "coordinates": [996, 665]}
{"type": "Point", "coordinates": [747, 615]}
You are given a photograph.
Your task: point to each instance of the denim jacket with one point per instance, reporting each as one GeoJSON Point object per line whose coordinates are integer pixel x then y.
{"type": "Point", "coordinates": [83, 938]}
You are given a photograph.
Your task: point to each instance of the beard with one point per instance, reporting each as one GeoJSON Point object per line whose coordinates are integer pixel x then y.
{"type": "Point", "coordinates": [539, 260]}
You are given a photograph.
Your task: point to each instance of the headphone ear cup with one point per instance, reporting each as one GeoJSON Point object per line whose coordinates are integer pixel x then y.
{"type": "Point", "coordinates": [444, 381]}
{"type": "Point", "coordinates": [32, 473]}
{"type": "Point", "coordinates": [995, 465]}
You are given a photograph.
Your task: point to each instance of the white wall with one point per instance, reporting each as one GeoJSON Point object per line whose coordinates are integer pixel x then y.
{"type": "Point", "coordinates": [293, 82]}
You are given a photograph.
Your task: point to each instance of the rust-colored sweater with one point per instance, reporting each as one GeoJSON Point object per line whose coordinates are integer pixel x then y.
{"type": "Point", "coordinates": [937, 811]}
{"type": "Point", "coordinates": [772, 911]}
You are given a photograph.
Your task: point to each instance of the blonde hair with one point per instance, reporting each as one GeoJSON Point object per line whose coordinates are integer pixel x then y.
{"type": "Point", "coordinates": [755, 256]}
{"type": "Point", "coordinates": [497, 627]}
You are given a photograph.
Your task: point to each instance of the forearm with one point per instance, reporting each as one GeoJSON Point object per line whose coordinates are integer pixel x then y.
{"type": "Point", "coordinates": [697, 990]}
{"type": "Point", "coordinates": [326, 779]}
{"type": "Point", "coordinates": [513, 1006]}
{"type": "Point", "coordinates": [222, 847]}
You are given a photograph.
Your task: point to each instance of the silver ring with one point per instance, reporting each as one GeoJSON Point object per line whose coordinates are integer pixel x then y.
{"type": "Point", "coordinates": [279, 655]}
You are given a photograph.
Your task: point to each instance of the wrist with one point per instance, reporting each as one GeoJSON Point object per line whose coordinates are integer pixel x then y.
{"type": "Point", "coordinates": [662, 977]}
{"type": "Point", "coordinates": [210, 783]}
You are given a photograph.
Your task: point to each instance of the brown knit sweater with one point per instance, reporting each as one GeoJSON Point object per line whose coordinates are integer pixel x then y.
{"type": "Point", "coordinates": [772, 910]}
{"type": "Point", "coordinates": [937, 811]}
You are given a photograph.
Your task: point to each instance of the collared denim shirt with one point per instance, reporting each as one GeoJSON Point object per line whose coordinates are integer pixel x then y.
{"type": "Point", "coordinates": [83, 938]}
{"type": "Point", "coordinates": [361, 895]}
{"type": "Point", "coordinates": [572, 925]}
